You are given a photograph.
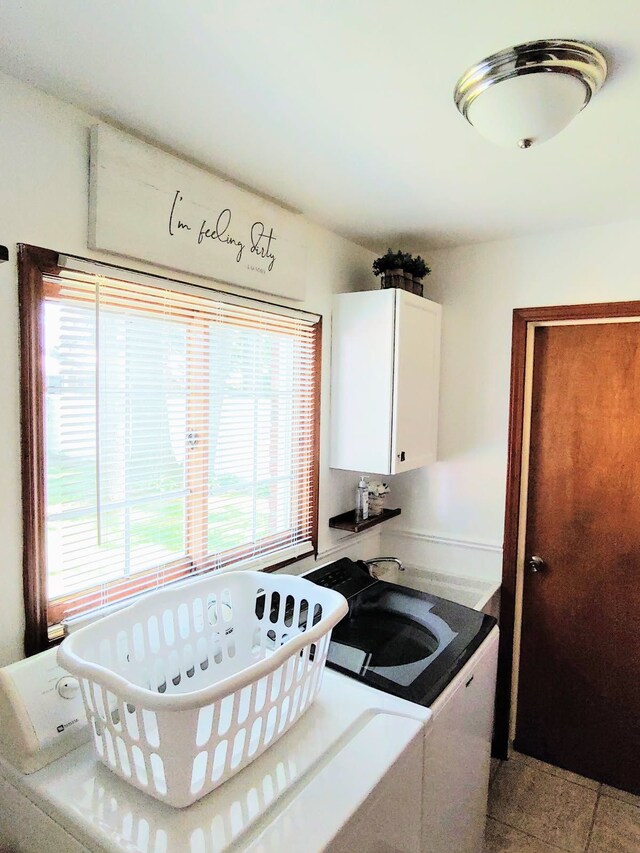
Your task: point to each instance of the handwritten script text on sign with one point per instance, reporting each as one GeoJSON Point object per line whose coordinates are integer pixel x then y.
{"type": "Point", "coordinates": [260, 241]}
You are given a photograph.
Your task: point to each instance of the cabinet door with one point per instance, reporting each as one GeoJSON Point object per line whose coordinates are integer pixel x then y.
{"type": "Point", "coordinates": [416, 382]}
{"type": "Point", "coordinates": [363, 335]}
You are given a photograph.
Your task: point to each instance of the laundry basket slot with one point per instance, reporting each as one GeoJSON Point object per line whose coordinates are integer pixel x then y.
{"type": "Point", "coordinates": [186, 686]}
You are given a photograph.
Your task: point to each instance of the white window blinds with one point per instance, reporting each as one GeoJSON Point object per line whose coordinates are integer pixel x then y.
{"type": "Point", "coordinates": [180, 437]}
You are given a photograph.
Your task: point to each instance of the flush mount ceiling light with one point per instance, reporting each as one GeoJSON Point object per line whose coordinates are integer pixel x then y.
{"type": "Point", "coordinates": [543, 85]}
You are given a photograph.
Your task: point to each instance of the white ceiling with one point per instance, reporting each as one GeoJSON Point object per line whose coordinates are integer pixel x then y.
{"type": "Point", "coordinates": [343, 108]}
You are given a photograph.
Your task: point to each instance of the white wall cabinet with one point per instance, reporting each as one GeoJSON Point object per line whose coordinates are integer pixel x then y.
{"type": "Point", "coordinates": [385, 372]}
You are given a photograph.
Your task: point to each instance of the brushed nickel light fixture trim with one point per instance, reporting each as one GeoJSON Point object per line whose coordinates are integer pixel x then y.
{"type": "Point", "coordinates": [580, 61]}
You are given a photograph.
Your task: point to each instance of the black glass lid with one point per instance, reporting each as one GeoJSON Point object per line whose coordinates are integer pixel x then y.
{"type": "Point", "coordinates": [403, 641]}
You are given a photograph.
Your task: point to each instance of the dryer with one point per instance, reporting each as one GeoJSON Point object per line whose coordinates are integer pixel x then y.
{"type": "Point", "coordinates": [346, 777]}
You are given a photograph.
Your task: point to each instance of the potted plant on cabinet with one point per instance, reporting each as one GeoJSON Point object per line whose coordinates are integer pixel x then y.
{"type": "Point", "coordinates": [417, 269]}
{"type": "Point", "coordinates": [390, 268]}
{"type": "Point", "coordinates": [402, 270]}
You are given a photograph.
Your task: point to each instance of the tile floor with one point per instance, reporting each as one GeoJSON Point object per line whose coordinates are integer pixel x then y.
{"type": "Point", "coordinates": [538, 808]}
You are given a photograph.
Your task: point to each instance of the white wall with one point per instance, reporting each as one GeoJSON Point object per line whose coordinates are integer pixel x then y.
{"type": "Point", "coordinates": [44, 201]}
{"type": "Point", "coordinates": [459, 501]}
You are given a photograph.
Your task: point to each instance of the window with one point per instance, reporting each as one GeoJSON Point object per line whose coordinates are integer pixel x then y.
{"type": "Point", "coordinates": [167, 429]}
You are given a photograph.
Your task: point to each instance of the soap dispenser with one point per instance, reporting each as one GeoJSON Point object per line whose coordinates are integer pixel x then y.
{"type": "Point", "coordinates": [362, 500]}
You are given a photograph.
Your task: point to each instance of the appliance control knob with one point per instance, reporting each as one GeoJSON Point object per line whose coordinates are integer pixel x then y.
{"type": "Point", "coordinates": [68, 687]}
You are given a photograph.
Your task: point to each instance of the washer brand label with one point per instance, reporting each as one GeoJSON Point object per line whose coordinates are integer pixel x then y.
{"type": "Point", "coordinates": [68, 725]}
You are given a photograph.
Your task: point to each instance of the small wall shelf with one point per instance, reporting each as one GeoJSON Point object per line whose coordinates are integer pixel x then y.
{"type": "Point", "coordinates": [347, 520]}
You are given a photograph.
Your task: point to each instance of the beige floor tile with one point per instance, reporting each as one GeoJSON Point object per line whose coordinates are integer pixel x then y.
{"type": "Point", "coordinates": [557, 771]}
{"type": "Point", "coordinates": [543, 805]}
{"type": "Point", "coordinates": [500, 838]}
{"type": "Point", "coordinates": [616, 828]}
{"type": "Point", "coordinates": [495, 766]}
{"type": "Point", "coordinates": [617, 794]}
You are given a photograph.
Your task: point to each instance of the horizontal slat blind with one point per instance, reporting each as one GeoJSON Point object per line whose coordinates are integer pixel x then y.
{"type": "Point", "coordinates": [180, 437]}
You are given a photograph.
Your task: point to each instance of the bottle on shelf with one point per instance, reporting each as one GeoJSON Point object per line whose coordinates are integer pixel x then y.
{"type": "Point", "coordinates": [362, 500]}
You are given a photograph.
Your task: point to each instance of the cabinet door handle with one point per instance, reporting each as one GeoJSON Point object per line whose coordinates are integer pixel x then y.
{"type": "Point", "coordinates": [402, 456]}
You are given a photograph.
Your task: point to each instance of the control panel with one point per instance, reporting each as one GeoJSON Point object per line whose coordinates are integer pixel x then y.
{"type": "Point", "coordinates": [345, 576]}
{"type": "Point", "coordinates": [41, 710]}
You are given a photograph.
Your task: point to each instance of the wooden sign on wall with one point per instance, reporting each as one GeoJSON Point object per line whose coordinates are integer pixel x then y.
{"type": "Point", "coordinates": [146, 204]}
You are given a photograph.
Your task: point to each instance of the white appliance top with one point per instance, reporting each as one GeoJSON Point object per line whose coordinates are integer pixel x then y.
{"type": "Point", "coordinates": [319, 773]}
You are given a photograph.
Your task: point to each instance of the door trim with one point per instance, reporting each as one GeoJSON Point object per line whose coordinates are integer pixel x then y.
{"type": "Point", "coordinates": [524, 319]}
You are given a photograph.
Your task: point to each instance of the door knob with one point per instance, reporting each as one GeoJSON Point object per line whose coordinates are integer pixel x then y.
{"type": "Point", "coordinates": [536, 564]}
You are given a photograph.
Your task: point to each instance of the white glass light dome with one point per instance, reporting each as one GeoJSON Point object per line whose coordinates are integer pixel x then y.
{"type": "Point", "coordinates": [526, 94]}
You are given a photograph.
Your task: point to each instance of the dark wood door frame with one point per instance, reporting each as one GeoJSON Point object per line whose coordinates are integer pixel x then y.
{"type": "Point", "coordinates": [522, 318]}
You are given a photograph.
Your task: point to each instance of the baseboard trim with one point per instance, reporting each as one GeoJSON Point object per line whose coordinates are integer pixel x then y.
{"type": "Point", "coordinates": [444, 555]}
{"type": "Point", "coordinates": [438, 539]}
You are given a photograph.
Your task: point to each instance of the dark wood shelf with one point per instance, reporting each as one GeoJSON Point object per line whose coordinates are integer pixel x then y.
{"type": "Point", "coordinates": [347, 520]}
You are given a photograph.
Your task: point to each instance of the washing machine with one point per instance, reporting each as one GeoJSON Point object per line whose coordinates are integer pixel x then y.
{"type": "Point", "coordinates": [347, 777]}
{"type": "Point", "coordinates": [434, 654]}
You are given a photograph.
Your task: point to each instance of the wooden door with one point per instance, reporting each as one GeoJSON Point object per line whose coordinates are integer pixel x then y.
{"type": "Point", "coordinates": [579, 678]}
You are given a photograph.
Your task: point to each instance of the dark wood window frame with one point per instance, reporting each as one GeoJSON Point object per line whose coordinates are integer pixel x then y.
{"type": "Point", "coordinates": [522, 317]}
{"type": "Point", "coordinates": [34, 266]}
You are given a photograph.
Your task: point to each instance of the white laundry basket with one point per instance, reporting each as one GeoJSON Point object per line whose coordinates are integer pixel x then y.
{"type": "Point", "coordinates": [188, 685]}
